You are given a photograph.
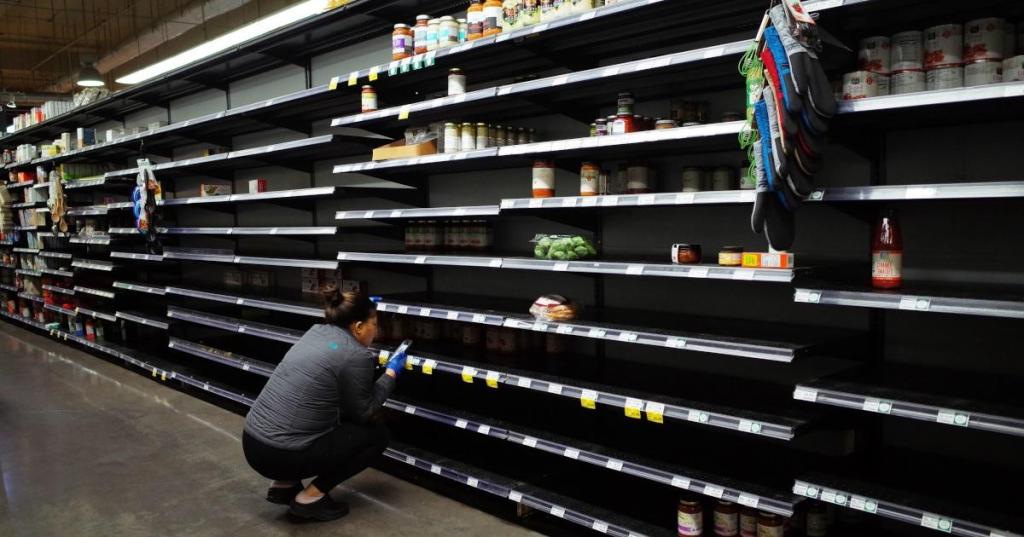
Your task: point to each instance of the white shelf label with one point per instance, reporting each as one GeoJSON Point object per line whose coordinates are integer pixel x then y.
{"type": "Point", "coordinates": [614, 464]}
{"type": "Point", "coordinates": [536, 203]}
{"type": "Point", "coordinates": [840, 499]}
{"type": "Point", "coordinates": [635, 270]}
{"type": "Point", "coordinates": [560, 80]}
{"type": "Point", "coordinates": [675, 342]}
{"type": "Point", "coordinates": [952, 417]}
{"type": "Point", "coordinates": [807, 296]}
{"type": "Point", "coordinates": [569, 202]}
{"type": "Point", "coordinates": [484, 430]}
{"type": "Point", "coordinates": [572, 453]}
{"type": "Point", "coordinates": [914, 303]}
{"type": "Point", "coordinates": [473, 482]}
{"type": "Point", "coordinates": [403, 310]}
{"type": "Point", "coordinates": [697, 416]}
{"type": "Point", "coordinates": [828, 496]}
{"type": "Point", "coordinates": [920, 192]}
{"type": "Point", "coordinates": [529, 441]}
{"type": "Point", "coordinates": [524, 382]}
{"type": "Point", "coordinates": [555, 389]}
{"type": "Point", "coordinates": [410, 461]}
{"type": "Point", "coordinates": [749, 500]}
{"type": "Point", "coordinates": [714, 52]}
{"type": "Point", "coordinates": [654, 63]}
{"type": "Point", "coordinates": [748, 426]}
{"type": "Point", "coordinates": [628, 337]}
{"type": "Point", "coordinates": [479, 318]}
{"type": "Point", "coordinates": [420, 259]}
{"type": "Point", "coordinates": [680, 482]}
{"type": "Point", "coordinates": [557, 511]}
{"type": "Point", "coordinates": [410, 409]}
{"type": "Point", "coordinates": [452, 315]}
{"type": "Point", "coordinates": [857, 503]}
{"type": "Point", "coordinates": [564, 329]}
{"type": "Point", "coordinates": [713, 491]}
{"type": "Point", "coordinates": [610, 71]}
{"type": "Point", "coordinates": [561, 266]}
{"type": "Point", "coordinates": [435, 469]}
{"type": "Point", "coordinates": [515, 496]}
{"type": "Point", "coordinates": [699, 272]}
{"type": "Point", "coordinates": [424, 312]}
{"type": "Point", "coordinates": [743, 274]}
{"type": "Point", "coordinates": [877, 405]}
{"type": "Point", "coordinates": [540, 327]}
{"type": "Point", "coordinates": [596, 333]}
{"type": "Point", "coordinates": [805, 394]}
{"type": "Point", "coordinates": [461, 424]}
{"type": "Point", "coordinates": [598, 525]}
{"type": "Point", "coordinates": [937, 522]}
{"type": "Point", "coordinates": [645, 199]}
{"type": "Point", "coordinates": [609, 201]}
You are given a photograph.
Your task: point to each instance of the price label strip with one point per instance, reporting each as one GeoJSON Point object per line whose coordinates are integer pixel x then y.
{"type": "Point", "coordinates": [588, 399]}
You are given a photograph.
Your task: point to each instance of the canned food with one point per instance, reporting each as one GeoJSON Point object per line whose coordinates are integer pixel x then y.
{"type": "Point", "coordinates": [693, 180]}
{"type": "Point", "coordinates": [721, 179]}
{"type": "Point", "coordinates": [983, 39]}
{"type": "Point", "coordinates": [1013, 69]}
{"type": "Point", "coordinates": [859, 85]}
{"type": "Point", "coordinates": [943, 46]}
{"type": "Point", "coordinates": [874, 54]}
{"type": "Point", "coordinates": [944, 78]}
{"type": "Point", "coordinates": [883, 83]}
{"type": "Point", "coordinates": [1009, 40]}
{"type": "Point", "coordinates": [906, 51]}
{"type": "Point", "coordinates": [908, 81]}
{"type": "Point", "coordinates": [983, 72]}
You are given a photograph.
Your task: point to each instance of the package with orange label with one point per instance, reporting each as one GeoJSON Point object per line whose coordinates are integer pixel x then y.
{"type": "Point", "coordinates": [781, 260]}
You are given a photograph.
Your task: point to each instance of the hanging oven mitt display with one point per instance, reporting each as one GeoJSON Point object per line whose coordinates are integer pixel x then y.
{"type": "Point", "coordinates": [790, 118]}
{"type": "Point", "coordinates": [57, 203]}
{"type": "Point", "coordinates": [144, 196]}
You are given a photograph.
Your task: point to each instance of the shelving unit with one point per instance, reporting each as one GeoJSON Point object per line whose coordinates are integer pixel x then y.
{"type": "Point", "coordinates": [752, 375]}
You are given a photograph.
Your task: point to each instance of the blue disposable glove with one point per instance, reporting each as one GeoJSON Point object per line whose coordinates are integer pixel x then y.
{"type": "Point", "coordinates": [397, 362]}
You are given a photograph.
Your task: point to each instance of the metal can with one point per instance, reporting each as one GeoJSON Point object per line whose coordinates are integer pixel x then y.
{"type": "Point", "coordinates": [456, 82]}
{"type": "Point", "coordinates": [452, 138]}
{"type": "Point", "coordinates": [482, 139]}
{"type": "Point", "coordinates": [722, 179]}
{"type": "Point", "coordinates": [944, 78]}
{"type": "Point", "coordinates": [468, 135]}
{"type": "Point", "coordinates": [589, 179]}
{"type": "Point", "coordinates": [906, 51]}
{"type": "Point", "coordinates": [693, 179]}
{"type": "Point", "coordinates": [907, 81]}
{"type": "Point", "coordinates": [983, 72]}
{"type": "Point", "coordinates": [859, 85]}
{"type": "Point", "coordinates": [943, 46]}
{"type": "Point", "coordinates": [1013, 69]}
{"type": "Point", "coordinates": [883, 83]}
{"type": "Point", "coordinates": [873, 54]}
{"type": "Point", "coordinates": [543, 178]}
{"type": "Point", "coordinates": [983, 39]}
{"type": "Point", "coordinates": [368, 99]}
{"type": "Point", "coordinates": [638, 178]}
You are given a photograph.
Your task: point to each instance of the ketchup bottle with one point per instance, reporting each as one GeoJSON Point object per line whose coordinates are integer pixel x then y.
{"type": "Point", "coordinates": [887, 253]}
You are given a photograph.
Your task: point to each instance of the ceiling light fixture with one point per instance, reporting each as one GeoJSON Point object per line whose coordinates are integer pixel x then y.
{"type": "Point", "coordinates": [89, 77]}
{"type": "Point", "coordinates": [235, 37]}
{"type": "Point", "coordinates": [11, 103]}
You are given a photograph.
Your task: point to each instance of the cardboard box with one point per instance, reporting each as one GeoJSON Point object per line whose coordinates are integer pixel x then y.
{"type": "Point", "coordinates": [398, 149]}
{"type": "Point", "coordinates": [257, 185]}
{"type": "Point", "coordinates": [214, 189]}
{"type": "Point", "coordinates": [233, 279]}
{"type": "Point", "coordinates": [779, 260]}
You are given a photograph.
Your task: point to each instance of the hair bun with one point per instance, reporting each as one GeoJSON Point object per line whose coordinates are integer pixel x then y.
{"type": "Point", "coordinates": [332, 296]}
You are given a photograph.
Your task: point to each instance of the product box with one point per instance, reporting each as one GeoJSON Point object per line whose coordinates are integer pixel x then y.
{"type": "Point", "coordinates": [355, 286]}
{"type": "Point", "coordinates": [84, 137]}
{"type": "Point", "coordinates": [781, 260]}
{"type": "Point", "coordinates": [310, 281]}
{"type": "Point", "coordinates": [233, 279]}
{"type": "Point", "coordinates": [399, 149]}
{"type": "Point", "coordinates": [156, 125]}
{"type": "Point", "coordinates": [258, 280]}
{"type": "Point", "coordinates": [214, 189]}
{"type": "Point", "coordinates": [257, 185]}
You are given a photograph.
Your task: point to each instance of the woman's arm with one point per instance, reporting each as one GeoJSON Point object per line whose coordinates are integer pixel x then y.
{"type": "Point", "coordinates": [361, 397]}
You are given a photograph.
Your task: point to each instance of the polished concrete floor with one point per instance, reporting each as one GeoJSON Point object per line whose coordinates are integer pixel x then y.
{"type": "Point", "coordinates": [91, 449]}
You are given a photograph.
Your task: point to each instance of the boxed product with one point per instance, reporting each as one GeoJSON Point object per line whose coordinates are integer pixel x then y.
{"type": "Point", "coordinates": [310, 281]}
{"type": "Point", "coordinates": [257, 185]}
{"type": "Point", "coordinates": [400, 149]}
{"type": "Point", "coordinates": [258, 279]}
{"type": "Point", "coordinates": [84, 137]}
{"type": "Point", "coordinates": [233, 279]}
{"type": "Point", "coordinates": [783, 260]}
{"type": "Point", "coordinates": [214, 189]}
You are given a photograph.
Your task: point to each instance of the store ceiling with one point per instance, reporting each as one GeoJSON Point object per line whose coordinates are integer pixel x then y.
{"type": "Point", "coordinates": [44, 42]}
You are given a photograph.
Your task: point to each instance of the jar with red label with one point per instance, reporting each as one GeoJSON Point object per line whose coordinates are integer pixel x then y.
{"type": "Point", "coordinates": [887, 254]}
{"type": "Point", "coordinates": [419, 34]}
{"type": "Point", "coordinates": [590, 179]}
{"type": "Point", "coordinates": [623, 124]}
{"type": "Point", "coordinates": [543, 178]}
{"type": "Point", "coordinates": [368, 99]}
{"type": "Point", "coordinates": [401, 42]}
{"type": "Point", "coordinates": [727, 519]}
{"type": "Point", "coordinates": [690, 517]}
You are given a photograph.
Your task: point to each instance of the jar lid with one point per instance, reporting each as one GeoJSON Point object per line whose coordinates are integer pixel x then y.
{"type": "Point", "coordinates": [685, 245]}
{"type": "Point", "coordinates": [461, 21]}
{"type": "Point", "coordinates": [625, 94]}
{"type": "Point", "coordinates": [666, 122]}
{"type": "Point", "coordinates": [367, 87]}
{"type": "Point", "coordinates": [601, 120]}
{"type": "Point", "coordinates": [447, 18]}
{"type": "Point", "coordinates": [733, 249]}
{"type": "Point", "coordinates": [397, 26]}
{"type": "Point", "coordinates": [481, 124]}
{"type": "Point", "coordinates": [449, 124]}
{"type": "Point", "coordinates": [467, 124]}
{"type": "Point", "coordinates": [454, 71]}
{"type": "Point", "coordinates": [423, 17]}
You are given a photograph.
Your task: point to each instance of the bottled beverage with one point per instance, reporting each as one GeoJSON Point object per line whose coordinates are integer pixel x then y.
{"type": "Point", "coordinates": [887, 253]}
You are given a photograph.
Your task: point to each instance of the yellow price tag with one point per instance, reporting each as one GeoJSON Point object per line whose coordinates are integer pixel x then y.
{"type": "Point", "coordinates": [353, 78]}
{"type": "Point", "coordinates": [409, 365]}
{"type": "Point", "coordinates": [588, 399]}
{"type": "Point", "coordinates": [403, 113]}
{"type": "Point", "coordinates": [163, 376]}
{"type": "Point", "coordinates": [333, 85]}
{"type": "Point", "coordinates": [154, 373]}
{"type": "Point", "coordinates": [655, 412]}
{"type": "Point", "coordinates": [373, 72]}
{"type": "Point", "coordinates": [428, 367]}
{"type": "Point", "coordinates": [633, 407]}
{"type": "Point", "coordinates": [492, 379]}
{"type": "Point", "coordinates": [467, 374]}
{"type": "Point", "coordinates": [382, 358]}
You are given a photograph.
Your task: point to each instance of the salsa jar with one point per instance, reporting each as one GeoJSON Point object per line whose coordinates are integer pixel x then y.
{"type": "Point", "coordinates": [419, 34]}
{"type": "Point", "coordinates": [543, 178]}
{"type": "Point", "coordinates": [493, 15]}
{"type": "Point", "coordinates": [401, 42]}
{"type": "Point", "coordinates": [623, 123]}
{"type": "Point", "coordinates": [590, 175]}
{"type": "Point", "coordinates": [685, 254]}
{"type": "Point", "coordinates": [368, 99]}
{"type": "Point", "coordinates": [475, 20]}
{"type": "Point", "coordinates": [690, 518]}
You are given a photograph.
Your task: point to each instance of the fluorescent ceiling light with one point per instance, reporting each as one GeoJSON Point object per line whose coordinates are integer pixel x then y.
{"type": "Point", "coordinates": [235, 37]}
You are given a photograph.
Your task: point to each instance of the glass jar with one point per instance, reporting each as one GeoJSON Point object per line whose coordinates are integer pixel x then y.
{"type": "Point", "coordinates": [451, 236]}
{"type": "Point", "coordinates": [529, 13]}
{"type": "Point", "coordinates": [690, 518]}
{"type": "Point", "coordinates": [475, 19]}
{"type": "Point", "coordinates": [533, 135]}
{"type": "Point", "coordinates": [543, 178]}
{"type": "Point", "coordinates": [722, 179]}
{"type": "Point", "coordinates": [726, 516]}
{"type": "Point", "coordinates": [686, 254]}
{"type": "Point", "coordinates": [463, 30]}
{"type": "Point", "coordinates": [447, 32]}
{"type": "Point", "coordinates": [492, 136]}
{"type": "Point", "coordinates": [433, 27]}
{"type": "Point", "coordinates": [623, 124]}
{"type": "Point", "coordinates": [589, 179]}
{"type": "Point", "coordinates": [693, 179]}
{"type": "Point", "coordinates": [465, 235]}
{"type": "Point", "coordinates": [401, 42]}
{"type": "Point", "coordinates": [770, 525]}
{"type": "Point", "coordinates": [625, 103]}
{"type": "Point", "coordinates": [663, 124]}
{"type": "Point", "coordinates": [468, 137]}
{"type": "Point", "coordinates": [368, 99]}
{"type": "Point", "coordinates": [493, 14]}
{"type": "Point", "coordinates": [500, 136]}
{"type": "Point", "coordinates": [748, 522]}
{"type": "Point", "coordinates": [419, 34]}
{"type": "Point", "coordinates": [638, 178]}
{"type": "Point", "coordinates": [482, 137]}
{"type": "Point", "coordinates": [456, 81]}
{"type": "Point", "coordinates": [522, 137]}
{"type": "Point", "coordinates": [430, 236]}
{"type": "Point", "coordinates": [601, 127]}
{"type": "Point", "coordinates": [452, 138]}
{"type": "Point", "coordinates": [730, 256]}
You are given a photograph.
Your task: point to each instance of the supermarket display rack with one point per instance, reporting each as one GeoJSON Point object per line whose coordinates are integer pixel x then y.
{"type": "Point", "coordinates": [579, 43]}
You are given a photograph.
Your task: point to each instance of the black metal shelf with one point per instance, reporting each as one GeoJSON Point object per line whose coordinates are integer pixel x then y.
{"type": "Point", "coordinates": [231, 324]}
{"type": "Point", "coordinates": [953, 398]}
{"type": "Point", "coordinates": [307, 309]}
{"type": "Point", "coordinates": [140, 287]}
{"type": "Point", "coordinates": [234, 231]}
{"type": "Point", "coordinates": [88, 312]}
{"type": "Point", "coordinates": [226, 256]}
{"type": "Point", "coordinates": [270, 197]}
{"type": "Point", "coordinates": [136, 256]}
{"type": "Point", "coordinates": [145, 319]}
{"type": "Point", "coordinates": [57, 289]}
{"type": "Point", "coordinates": [559, 506]}
{"type": "Point", "coordinates": [222, 357]}
{"type": "Point", "coordinates": [33, 298]}
{"type": "Point", "coordinates": [723, 488]}
{"type": "Point", "coordinates": [923, 192]}
{"type": "Point", "coordinates": [102, 293]}
{"type": "Point", "coordinates": [93, 264]}
{"type": "Point", "coordinates": [978, 300]}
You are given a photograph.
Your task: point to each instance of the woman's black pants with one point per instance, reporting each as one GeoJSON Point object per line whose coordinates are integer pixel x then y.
{"type": "Point", "coordinates": [334, 457]}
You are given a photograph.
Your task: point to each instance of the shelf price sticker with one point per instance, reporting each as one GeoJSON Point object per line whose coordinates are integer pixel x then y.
{"type": "Point", "coordinates": [801, 489]}
{"type": "Point", "coordinates": [492, 379]}
{"type": "Point", "coordinates": [913, 303]}
{"type": "Point", "coordinates": [655, 412]}
{"type": "Point", "coordinates": [484, 429]}
{"type": "Point", "coordinates": [599, 526]}
{"type": "Point", "coordinates": [675, 342]}
{"type": "Point", "coordinates": [614, 464]}
{"type": "Point", "coordinates": [807, 296]}
{"type": "Point", "coordinates": [515, 496]}
{"type": "Point", "coordinates": [373, 72]}
{"type": "Point", "coordinates": [524, 382]}
{"type": "Point", "coordinates": [749, 500]}
{"type": "Point", "coordinates": [952, 417]}
{"type": "Point", "coordinates": [563, 329]}
{"type": "Point", "coordinates": [560, 266]}
{"type": "Point", "coordinates": [805, 394]}
{"type": "Point", "coordinates": [699, 272]}
{"type": "Point", "coordinates": [937, 522]}
{"type": "Point", "coordinates": [633, 408]}
{"type": "Point", "coordinates": [403, 112]}
{"type": "Point", "coordinates": [435, 469]}
{"type": "Point", "coordinates": [554, 389]}
{"type": "Point", "coordinates": [473, 482]}
{"type": "Point", "coordinates": [714, 491]}
{"type": "Point", "coordinates": [333, 85]}
{"type": "Point", "coordinates": [627, 337]}
{"type": "Point", "coordinates": [452, 315]}
{"type": "Point", "coordinates": [393, 68]}
{"type": "Point", "coordinates": [353, 78]}
{"type": "Point", "coordinates": [572, 453]}
{"type": "Point", "coordinates": [681, 482]}
{"type": "Point", "coordinates": [877, 406]}
{"type": "Point", "coordinates": [461, 424]}
{"type": "Point", "coordinates": [595, 333]}
{"type": "Point", "coordinates": [748, 426]}
{"type": "Point", "coordinates": [697, 416]}
{"type": "Point", "coordinates": [468, 373]}
{"type": "Point", "coordinates": [479, 318]}
{"type": "Point", "coordinates": [557, 511]}
{"type": "Point", "coordinates": [588, 399]}
{"type": "Point", "coordinates": [411, 363]}
{"type": "Point", "coordinates": [828, 496]}
{"type": "Point", "coordinates": [863, 504]}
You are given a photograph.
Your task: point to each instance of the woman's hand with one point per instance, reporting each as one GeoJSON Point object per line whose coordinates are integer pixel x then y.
{"type": "Point", "coordinates": [396, 364]}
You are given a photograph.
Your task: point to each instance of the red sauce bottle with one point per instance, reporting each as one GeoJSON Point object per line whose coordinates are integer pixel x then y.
{"type": "Point", "coordinates": [887, 253]}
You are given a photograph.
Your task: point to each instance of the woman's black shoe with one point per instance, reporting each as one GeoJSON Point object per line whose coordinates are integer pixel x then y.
{"type": "Point", "coordinates": [283, 495]}
{"type": "Point", "coordinates": [323, 509]}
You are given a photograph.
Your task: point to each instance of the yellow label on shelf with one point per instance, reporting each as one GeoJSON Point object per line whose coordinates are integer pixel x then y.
{"type": "Point", "coordinates": [655, 412]}
{"type": "Point", "coordinates": [467, 374]}
{"type": "Point", "coordinates": [382, 358]}
{"type": "Point", "coordinates": [403, 113]}
{"type": "Point", "coordinates": [492, 379]}
{"type": "Point", "coordinates": [373, 72]}
{"type": "Point", "coordinates": [154, 373]}
{"type": "Point", "coordinates": [334, 83]}
{"type": "Point", "coordinates": [353, 78]}
{"type": "Point", "coordinates": [428, 367]}
{"type": "Point", "coordinates": [163, 376]}
{"type": "Point", "coordinates": [633, 407]}
{"type": "Point", "coordinates": [588, 399]}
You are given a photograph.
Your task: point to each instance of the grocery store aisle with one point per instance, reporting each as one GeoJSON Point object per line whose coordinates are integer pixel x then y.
{"type": "Point", "coordinates": [88, 448]}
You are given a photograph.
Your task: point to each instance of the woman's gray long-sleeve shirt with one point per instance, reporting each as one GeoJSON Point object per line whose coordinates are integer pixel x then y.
{"type": "Point", "coordinates": [325, 378]}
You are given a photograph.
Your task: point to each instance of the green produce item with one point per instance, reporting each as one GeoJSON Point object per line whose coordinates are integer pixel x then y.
{"type": "Point", "coordinates": [563, 247]}
{"type": "Point", "coordinates": [591, 250]}
{"type": "Point", "coordinates": [558, 255]}
{"type": "Point", "coordinates": [540, 252]}
{"type": "Point", "coordinates": [578, 241]}
{"type": "Point", "coordinates": [581, 251]}
{"type": "Point", "coordinates": [545, 242]}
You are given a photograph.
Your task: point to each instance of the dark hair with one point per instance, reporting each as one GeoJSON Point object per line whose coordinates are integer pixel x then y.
{"type": "Point", "coordinates": [344, 308]}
